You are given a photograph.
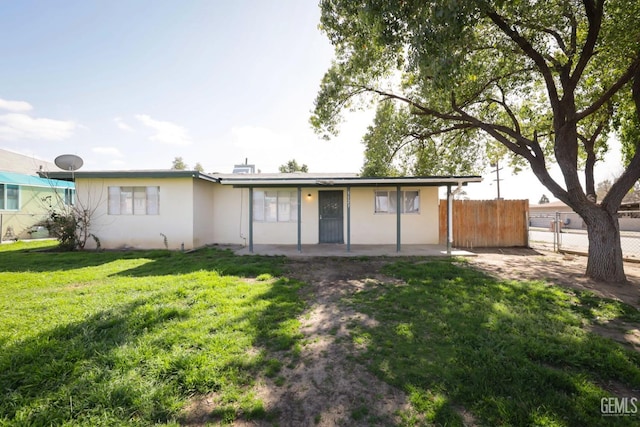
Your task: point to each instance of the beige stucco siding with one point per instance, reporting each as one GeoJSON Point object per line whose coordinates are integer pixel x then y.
{"type": "Point", "coordinates": [287, 232]}
{"type": "Point", "coordinates": [231, 219]}
{"type": "Point", "coordinates": [203, 229]}
{"type": "Point", "coordinates": [197, 212]}
{"type": "Point", "coordinates": [175, 218]}
{"type": "Point", "coordinates": [370, 228]}
{"type": "Point", "coordinates": [230, 215]}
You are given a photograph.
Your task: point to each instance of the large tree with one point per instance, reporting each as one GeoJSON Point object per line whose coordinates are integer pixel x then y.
{"type": "Point", "coordinates": [548, 81]}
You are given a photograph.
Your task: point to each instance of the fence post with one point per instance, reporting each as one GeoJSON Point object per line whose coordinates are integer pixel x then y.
{"type": "Point", "coordinates": [556, 233]}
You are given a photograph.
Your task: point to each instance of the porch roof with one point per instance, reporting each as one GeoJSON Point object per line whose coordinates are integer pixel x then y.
{"type": "Point", "coordinates": [278, 179]}
{"type": "Point", "coordinates": [340, 180]}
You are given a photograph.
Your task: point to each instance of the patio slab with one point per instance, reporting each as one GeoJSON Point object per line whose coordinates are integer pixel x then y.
{"type": "Point", "coordinates": [340, 250]}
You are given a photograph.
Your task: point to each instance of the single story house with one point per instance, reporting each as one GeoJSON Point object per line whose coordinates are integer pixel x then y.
{"type": "Point", "coordinates": [25, 202]}
{"type": "Point", "coordinates": [187, 209]}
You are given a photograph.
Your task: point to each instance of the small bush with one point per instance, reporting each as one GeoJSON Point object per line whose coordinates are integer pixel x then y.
{"type": "Point", "coordinates": [64, 226]}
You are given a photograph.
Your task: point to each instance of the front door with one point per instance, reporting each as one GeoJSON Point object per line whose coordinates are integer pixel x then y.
{"type": "Point", "coordinates": [330, 206]}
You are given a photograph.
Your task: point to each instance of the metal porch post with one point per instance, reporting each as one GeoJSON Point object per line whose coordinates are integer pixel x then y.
{"type": "Point", "coordinates": [299, 219]}
{"type": "Point", "coordinates": [398, 211]}
{"type": "Point", "coordinates": [251, 219]}
{"type": "Point", "coordinates": [449, 220]}
{"type": "Point", "coordinates": [348, 218]}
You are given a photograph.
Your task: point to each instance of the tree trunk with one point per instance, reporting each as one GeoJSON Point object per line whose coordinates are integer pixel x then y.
{"type": "Point", "coordinates": [605, 252]}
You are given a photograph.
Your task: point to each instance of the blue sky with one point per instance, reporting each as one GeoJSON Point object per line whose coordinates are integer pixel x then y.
{"type": "Point", "coordinates": [133, 84]}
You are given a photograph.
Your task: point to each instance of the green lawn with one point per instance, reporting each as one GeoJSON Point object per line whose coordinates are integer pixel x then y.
{"type": "Point", "coordinates": [511, 353]}
{"type": "Point", "coordinates": [126, 338]}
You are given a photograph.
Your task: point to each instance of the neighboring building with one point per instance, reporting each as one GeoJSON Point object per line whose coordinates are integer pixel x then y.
{"type": "Point", "coordinates": [27, 165]}
{"type": "Point", "coordinates": [25, 202]}
{"type": "Point", "coordinates": [244, 168]}
{"type": "Point", "coordinates": [189, 209]}
{"type": "Point", "coordinates": [543, 215]}
{"type": "Point", "coordinates": [25, 198]}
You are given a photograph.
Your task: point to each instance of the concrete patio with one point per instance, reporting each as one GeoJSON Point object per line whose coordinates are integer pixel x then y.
{"type": "Point", "coordinates": [340, 250]}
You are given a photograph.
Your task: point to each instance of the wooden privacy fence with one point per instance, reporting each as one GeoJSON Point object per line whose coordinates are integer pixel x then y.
{"type": "Point", "coordinates": [486, 223]}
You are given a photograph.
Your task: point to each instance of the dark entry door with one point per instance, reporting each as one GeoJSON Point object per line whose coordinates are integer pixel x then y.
{"type": "Point", "coordinates": [330, 205]}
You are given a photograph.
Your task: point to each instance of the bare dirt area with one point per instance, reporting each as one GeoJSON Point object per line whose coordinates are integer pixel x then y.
{"type": "Point", "coordinates": [324, 386]}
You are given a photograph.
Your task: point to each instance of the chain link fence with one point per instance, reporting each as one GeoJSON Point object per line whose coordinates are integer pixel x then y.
{"type": "Point", "coordinates": [23, 226]}
{"type": "Point", "coordinates": [566, 231]}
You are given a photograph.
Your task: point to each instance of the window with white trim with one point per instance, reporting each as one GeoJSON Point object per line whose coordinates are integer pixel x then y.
{"type": "Point", "coordinates": [386, 201]}
{"type": "Point", "coordinates": [275, 206]}
{"type": "Point", "coordinates": [9, 197]}
{"type": "Point", "coordinates": [134, 200]}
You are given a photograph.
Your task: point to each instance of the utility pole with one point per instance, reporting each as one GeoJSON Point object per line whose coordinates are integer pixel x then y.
{"type": "Point", "coordinates": [496, 165]}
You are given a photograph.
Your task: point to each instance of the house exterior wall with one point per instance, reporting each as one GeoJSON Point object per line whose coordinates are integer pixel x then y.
{"type": "Point", "coordinates": [203, 223]}
{"type": "Point", "coordinates": [286, 233]}
{"type": "Point", "coordinates": [543, 216]}
{"type": "Point", "coordinates": [231, 218]}
{"type": "Point", "coordinates": [367, 227]}
{"type": "Point", "coordinates": [196, 212]}
{"type": "Point", "coordinates": [175, 219]}
{"type": "Point", "coordinates": [27, 222]}
{"type": "Point", "coordinates": [230, 215]}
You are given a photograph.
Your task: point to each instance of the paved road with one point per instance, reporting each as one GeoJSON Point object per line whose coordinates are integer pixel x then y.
{"type": "Point", "coordinates": [576, 240]}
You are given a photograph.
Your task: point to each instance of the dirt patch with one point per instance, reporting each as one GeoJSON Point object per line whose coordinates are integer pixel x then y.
{"type": "Point", "coordinates": [324, 386]}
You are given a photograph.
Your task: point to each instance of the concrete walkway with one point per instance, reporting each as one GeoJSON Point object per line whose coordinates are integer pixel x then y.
{"type": "Point", "coordinates": [331, 250]}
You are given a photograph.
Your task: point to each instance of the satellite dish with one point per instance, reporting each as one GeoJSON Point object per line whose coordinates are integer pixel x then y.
{"type": "Point", "coordinates": [68, 162]}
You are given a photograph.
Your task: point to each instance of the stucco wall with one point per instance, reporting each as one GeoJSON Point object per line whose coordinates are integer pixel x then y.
{"type": "Point", "coordinates": [231, 221]}
{"type": "Point", "coordinates": [230, 215]}
{"type": "Point", "coordinates": [175, 219]}
{"type": "Point", "coordinates": [287, 232]}
{"type": "Point", "coordinates": [367, 227]}
{"type": "Point", "coordinates": [203, 229]}
{"type": "Point", "coordinates": [196, 213]}
{"type": "Point", "coordinates": [35, 203]}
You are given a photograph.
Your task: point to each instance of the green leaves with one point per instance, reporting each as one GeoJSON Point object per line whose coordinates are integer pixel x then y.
{"type": "Point", "coordinates": [546, 80]}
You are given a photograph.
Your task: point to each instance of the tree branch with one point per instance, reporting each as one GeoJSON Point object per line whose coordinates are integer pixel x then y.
{"type": "Point", "coordinates": [533, 54]}
{"type": "Point", "coordinates": [594, 12]}
{"type": "Point", "coordinates": [609, 93]}
{"type": "Point", "coordinates": [619, 189]}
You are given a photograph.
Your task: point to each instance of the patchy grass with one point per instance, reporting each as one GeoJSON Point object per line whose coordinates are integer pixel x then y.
{"type": "Point", "coordinates": [508, 352]}
{"type": "Point", "coordinates": [117, 338]}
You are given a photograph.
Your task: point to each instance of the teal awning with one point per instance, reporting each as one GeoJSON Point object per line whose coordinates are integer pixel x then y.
{"type": "Point", "coordinates": [33, 181]}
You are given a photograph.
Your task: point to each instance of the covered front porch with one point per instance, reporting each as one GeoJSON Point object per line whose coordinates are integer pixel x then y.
{"type": "Point", "coordinates": [340, 250]}
{"type": "Point", "coordinates": [362, 216]}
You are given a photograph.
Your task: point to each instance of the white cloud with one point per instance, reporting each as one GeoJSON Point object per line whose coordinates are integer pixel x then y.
{"type": "Point", "coordinates": [20, 126]}
{"type": "Point", "coordinates": [108, 151]}
{"type": "Point", "coordinates": [15, 106]}
{"type": "Point", "coordinates": [166, 132]}
{"type": "Point", "coordinates": [122, 125]}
